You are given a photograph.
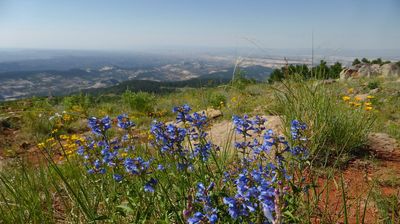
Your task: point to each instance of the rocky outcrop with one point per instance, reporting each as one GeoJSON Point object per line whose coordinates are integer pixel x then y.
{"type": "Point", "coordinates": [368, 70]}
{"type": "Point", "coordinates": [349, 73]}
{"type": "Point", "coordinates": [390, 70]}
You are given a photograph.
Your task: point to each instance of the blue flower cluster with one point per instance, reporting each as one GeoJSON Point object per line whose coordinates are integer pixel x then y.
{"type": "Point", "coordinates": [254, 190]}
{"type": "Point", "coordinates": [99, 126]}
{"type": "Point", "coordinates": [256, 127]}
{"type": "Point", "coordinates": [243, 125]}
{"type": "Point", "coordinates": [259, 190]}
{"type": "Point", "coordinates": [296, 128]}
{"type": "Point", "coordinates": [101, 154]}
{"type": "Point", "coordinates": [136, 166]}
{"type": "Point", "coordinates": [170, 138]}
{"type": "Point", "coordinates": [124, 122]}
{"type": "Point", "coordinates": [254, 184]}
{"type": "Point", "coordinates": [209, 212]}
{"type": "Point", "coordinates": [182, 113]}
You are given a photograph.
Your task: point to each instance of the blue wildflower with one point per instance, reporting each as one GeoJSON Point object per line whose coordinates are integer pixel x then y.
{"type": "Point", "coordinates": [258, 124]}
{"type": "Point", "coordinates": [296, 128]}
{"type": "Point", "coordinates": [203, 150]}
{"type": "Point", "coordinates": [117, 177]}
{"type": "Point", "coordinates": [182, 113]}
{"type": "Point", "coordinates": [136, 166]}
{"type": "Point", "coordinates": [124, 122]}
{"type": "Point", "coordinates": [242, 125]}
{"type": "Point", "coordinates": [99, 126]}
{"type": "Point", "coordinates": [209, 213]}
{"type": "Point", "coordinates": [160, 167]}
{"type": "Point", "coordinates": [150, 185]}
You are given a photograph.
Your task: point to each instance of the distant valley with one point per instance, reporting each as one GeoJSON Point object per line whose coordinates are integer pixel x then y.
{"type": "Point", "coordinates": [66, 75]}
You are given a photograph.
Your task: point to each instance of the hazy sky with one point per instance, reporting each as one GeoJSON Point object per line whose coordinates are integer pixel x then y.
{"type": "Point", "coordinates": [133, 24]}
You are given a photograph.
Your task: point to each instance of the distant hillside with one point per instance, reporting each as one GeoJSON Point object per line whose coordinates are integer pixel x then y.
{"type": "Point", "coordinates": [158, 87]}
{"type": "Point", "coordinates": [21, 84]}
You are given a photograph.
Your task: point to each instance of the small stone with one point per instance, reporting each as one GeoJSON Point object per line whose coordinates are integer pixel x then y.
{"type": "Point", "coordinates": [374, 91]}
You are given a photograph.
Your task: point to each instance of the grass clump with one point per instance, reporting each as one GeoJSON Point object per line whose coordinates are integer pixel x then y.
{"type": "Point", "coordinates": [336, 129]}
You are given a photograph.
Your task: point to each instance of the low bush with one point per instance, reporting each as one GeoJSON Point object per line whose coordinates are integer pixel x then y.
{"type": "Point", "coordinates": [217, 100]}
{"type": "Point", "coordinates": [373, 84]}
{"type": "Point", "coordinates": [79, 103]}
{"type": "Point", "coordinates": [140, 101]}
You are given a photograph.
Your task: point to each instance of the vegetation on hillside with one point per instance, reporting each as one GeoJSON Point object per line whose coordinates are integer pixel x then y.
{"type": "Point", "coordinates": [377, 61]}
{"type": "Point", "coordinates": [321, 71]}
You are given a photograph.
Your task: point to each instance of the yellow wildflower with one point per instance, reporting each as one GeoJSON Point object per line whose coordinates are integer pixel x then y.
{"type": "Point", "coordinates": [124, 155]}
{"type": "Point", "coordinates": [368, 104]}
{"type": "Point", "coordinates": [67, 117]}
{"type": "Point", "coordinates": [368, 108]}
{"type": "Point", "coordinates": [50, 139]}
{"type": "Point", "coordinates": [350, 91]}
{"type": "Point", "coordinates": [234, 99]}
{"type": "Point", "coordinates": [346, 98]}
{"type": "Point", "coordinates": [357, 104]}
{"type": "Point", "coordinates": [370, 97]}
{"type": "Point", "coordinates": [357, 98]}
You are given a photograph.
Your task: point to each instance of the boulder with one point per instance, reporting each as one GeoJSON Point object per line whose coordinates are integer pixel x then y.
{"type": "Point", "coordinates": [211, 113]}
{"type": "Point", "coordinates": [348, 73]}
{"type": "Point", "coordinates": [369, 70]}
{"type": "Point", "coordinates": [374, 91]}
{"type": "Point", "coordinates": [390, 70]}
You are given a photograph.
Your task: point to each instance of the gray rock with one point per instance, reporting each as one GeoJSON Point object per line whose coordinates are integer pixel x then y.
{"type": "Point", "coordinates": [366, 70]}
{"type": "Point", "coordinates": [390, 70]}
{"type": "Point", "coordinates": [348, 73]}
{"type": "Point", "coordinates": [374, 91]}
{"type": "Point", "coordinates": [369, 70]}
{"type": "Point", "coordinates": [211, 113]}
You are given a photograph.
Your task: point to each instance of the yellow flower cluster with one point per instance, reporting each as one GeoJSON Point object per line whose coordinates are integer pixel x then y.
{"type": "Point", "coordinates": [358, 102]}
{"type": "Point", "coordinates": [161, 113]}
{"type": "Point", "coordinates": [66, 117]}
{"type": "Point", "coordinates": [67, 143]}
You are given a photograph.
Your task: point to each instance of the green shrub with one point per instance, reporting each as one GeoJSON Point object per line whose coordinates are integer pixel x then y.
{"type": "Point", "coordinates": [78, 103]}
{"type": "Point", "coordinates": [335, 128]}
{"type": "Point", "coordinates": [140, 101]}
{"type": "Point", "coordinates": [217, 100]}
{"type": "Point", "coordinates": [373, 84]}
{"type": "Point", "coordinates": [356, 62]}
